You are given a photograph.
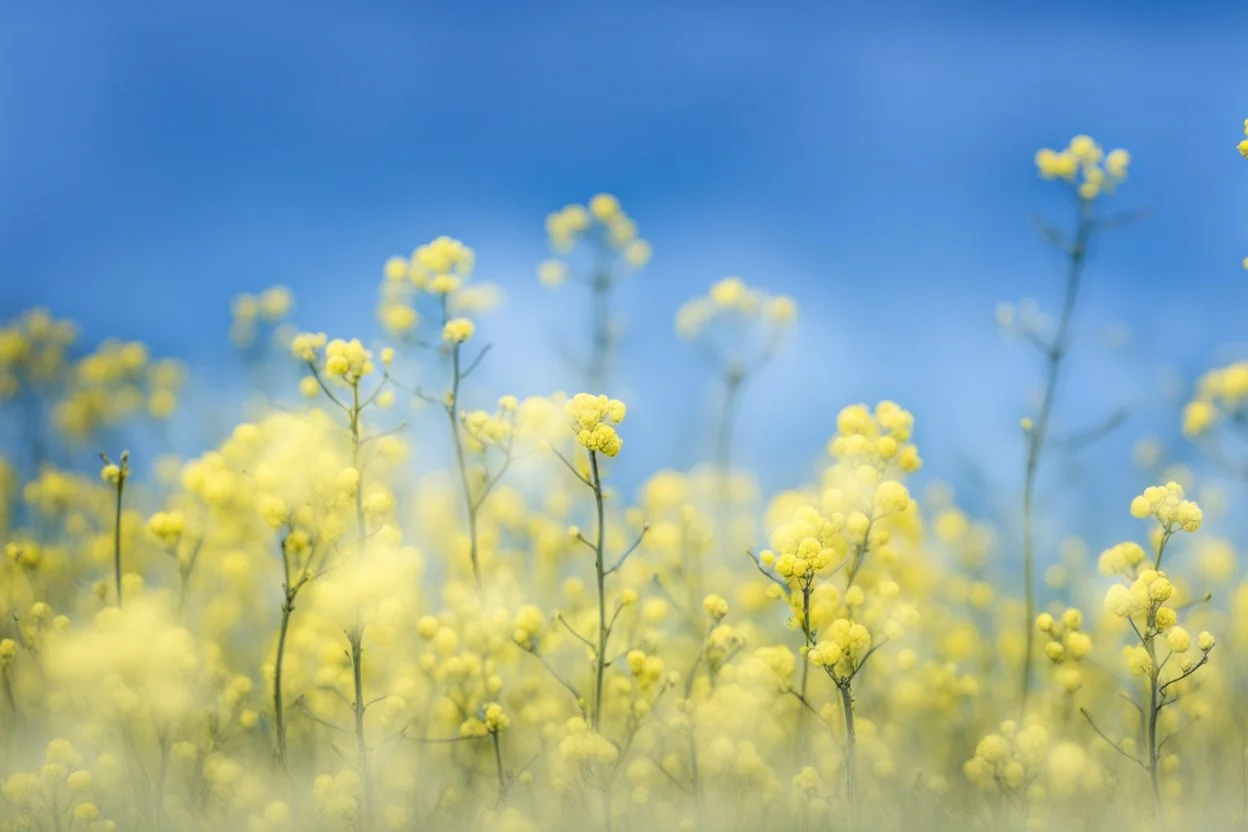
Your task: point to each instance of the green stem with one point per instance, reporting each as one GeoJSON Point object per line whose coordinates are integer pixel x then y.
{"type": "Point", "coordinates": [1077, 256]}
{"type": "Point", "coordinates": [851, 755]}
{"type": "Point", "coordinates": [600, 353]}
{"type": "Point", "coordinates": [121, 487]}
{"type": "Point", "coordinates": [470, 502]}
{"type": "Point", "coordinates": [600, 662]}
{"type": "Point", "coordinates": [279, 707]}
{"type": "Point", "coordinates": [357, 461]}
{"type": "Point", "coordinates": [800, 746]}
{"type": "Point", "coordinates": [498, 766]}
{"type": "Point", "coordinates": [1154, 707]}
{"type": "Point", "coordinates": [363, 815]}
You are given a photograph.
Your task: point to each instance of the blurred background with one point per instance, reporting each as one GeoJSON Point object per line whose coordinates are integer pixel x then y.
{"type": "Point", "coordinates": [874, 163]}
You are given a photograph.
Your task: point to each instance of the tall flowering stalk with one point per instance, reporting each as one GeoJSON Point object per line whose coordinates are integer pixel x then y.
{"type": "Point", "coordinates": [1091, 174]}
{"type": "Point", "coordinates": [440, 270]}
{"type": "Point", "coordinates": [593, 419]}
{"type": "Point", "coordinates": [738, 329]}
{"type": "Point", "coordinates": [608, 237]}
{"type": "Point", "coordinates": [1141, 599]}
{"type": "Point", "coordinates": [862, 504]}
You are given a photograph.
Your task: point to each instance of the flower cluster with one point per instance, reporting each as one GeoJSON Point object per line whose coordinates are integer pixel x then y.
{"type": "Point", "coordinates": [733, 302]}
{"type": "Point", "coordinates": [602, 221]}
{"type": "Point", "coordinates": [1220, 393]}
{"type": "Point", "coordinates": [593, 420]}
{"type": "Point", "coordinates": [1086, 166]}
{"type": "Point", "coordinates": [251, 312]}
{"type": "Point", "coordinates": [303, 625]}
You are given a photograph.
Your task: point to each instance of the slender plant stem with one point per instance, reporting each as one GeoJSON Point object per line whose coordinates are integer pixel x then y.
{"type": "Point", "coordinates": [364, 814]}
{"type": "Point", "coordinates": [1076, 259]}
{"type": "Point", "coordinates": [357, 460]}
{"type": "Point", "coordinates": [851, 754]}
{"type": "Point", "coordinates": [600, 350]}
{"type": "Point", "coordinates": [279, 707]}
{"type": "Point", "coordinates": [498, 766]}
{"type": "Point", "coordinates": [123, 471]}
{"type": "Point", "coordinates": [727, 422]}
{"type": "Point", "coordinates": [733, 380]}
{"type": "Point", "coordinates": [600, 538]}
{"type": "Point", "coordinates": [800, 745]}
{"type": "Point", "coordinates": [470, 501]}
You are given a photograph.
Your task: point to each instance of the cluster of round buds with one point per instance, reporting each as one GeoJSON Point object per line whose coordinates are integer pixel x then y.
{"type": "Point", "coordinates": [438, 266]}
{"type": "Point", "coordinates": [604, 215]}
{"type": "Point", "coordinates": [842, 647]}
{"type": "Point", "coordinates": [34, 347]}
{"type": "Point", "coordinates": [1121, 559]}
{"type": "Point", "coordinates": [1085, 165]}
{"type": "Point", "coordinates": [529, 625]}
{"type": "Point", "coordinates": [249, 311]}
{"type": "Point", "coordinates": [347, 360]}
{"type": "Point", "coordinates": [166, 526]}
{"type": "Point", "coordinates": [593, 419]}
{"type": "Point", "coordinates": [582, 745]}
{"type": "Point", "coordinates": [493, 719]}
{"type": "Point", "coordinates": [306, 345]}
{"type": "Point", "coordinates": [457, 330]}
{"type": "Point", "coordinates": [58, 775]}
{"type": "Point", "coordinates": [731, 298]}
{"type": "Point", "coordinates": [1166, 503]}
{"type": "Point", "coordinates": [877, 439]}
{"type": "Point", "coordinates": [715, 606]}
{"type": "Point", "coordinates": [113, 383]}
{"type": "Point", "coordinates": [483, 429]}
{"type": "Point", "coordinates": [796, 563]}
{"type": "Point", "coordinates": [1219, 391]}
{"type": "Point", "coordinates": [1145, 594]}
{"type": "Point", "coordinates": [648, 670]}
{"type": "Point", "coordinates": [1066, 647]}
{"type": "Point", "coordinates": [1006, 758]}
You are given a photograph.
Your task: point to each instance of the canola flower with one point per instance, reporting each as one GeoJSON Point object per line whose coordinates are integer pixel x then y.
{"type": "Point", "coordinates": [301, 628]}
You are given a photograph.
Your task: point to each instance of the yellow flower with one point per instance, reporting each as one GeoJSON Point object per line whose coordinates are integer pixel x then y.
{"type": "Point", "coordinates": [458, 330]}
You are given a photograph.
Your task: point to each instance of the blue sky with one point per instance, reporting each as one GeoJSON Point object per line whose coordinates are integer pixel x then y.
{"type": "Point", "coordinates": [155, 159]}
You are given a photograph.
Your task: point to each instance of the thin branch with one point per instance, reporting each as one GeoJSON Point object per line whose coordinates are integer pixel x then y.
{"type": "Point", "coordinates": [1088, 436]}
{"type": "Point", "coordinates": [559, 617]}
{"type": "Point", "coordinates": [659, 765]}
{"type": "Point", "coordinates": [1112, 744]}
{"type": "Point", "coordinates": [1203, 660]}
{"type": "Point", "coordinates": [806, 704]}
{"type": "Point", "coordinates": [316, 374]}
{"type": "Point", "coordinates": [440, 740]}
{"type": "Point", "coordinates": [1052, 235]}
{"type": "Point", "coordinates": [1177, 731]}
{"type": "Point", "coordinates": [571, 467]}
{"type": "Point", "coordinates": [629, 551]}
{"type": "Point", "coordinates": [763, 571]}
{"type": "Point", "coordinates": [1119, 220]}
{"type": "Point", "coordinates": [476, 361]}
{"type": "Point", "coordinates": [571, 689]}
